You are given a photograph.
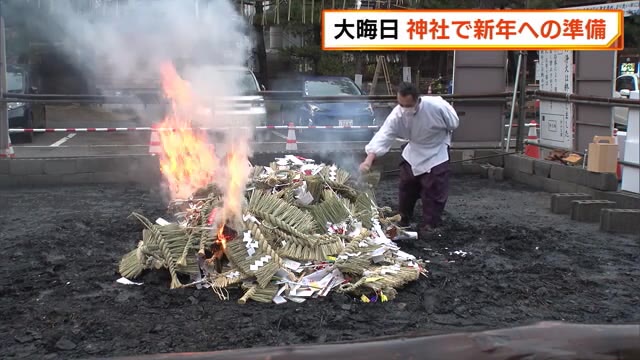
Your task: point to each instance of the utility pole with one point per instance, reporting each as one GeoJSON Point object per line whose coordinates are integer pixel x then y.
{"type": "Point", "coordinates": [4, 117]}
{"type": "Point", "coordinates": [523, 98]}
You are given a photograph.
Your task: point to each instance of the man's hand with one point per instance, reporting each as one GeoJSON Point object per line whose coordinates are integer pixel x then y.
{"type": "Point", "coordinates": [365, 167]}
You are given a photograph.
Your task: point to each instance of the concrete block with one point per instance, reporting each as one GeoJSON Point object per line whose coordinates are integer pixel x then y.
{"type": "Point", "coordinates": [531, 180]}
{"type": "Point", "coordinates": [542, 168]}
{"type": "Point", "coordinates": [496, 173]}
{"type": "Point", "coordinates": [589, 210]}
{"type": "Point", "coordinates": [625, 200]}
{"type": "Point", "coordinates": [493, 160]}
{"type": "Point", "coordinates": [600, 181]}
{"type": "Point", "coordinates": [567, 173]}
{"type": "Point", "coordinates": [561, 203]}
{"type": "Point", "coordinates": [526, 164]}
{"type": "Point", "coordinates": [97, 165]}
{"type": "Point", "coordinates": [510, 167]}
{"type": "Point", "coordinates": [4, 166]}
{"type": "Point", "coordinates": [26, 167]}
{"type": "Point", "coordinates": [468, 154]}
{"type": "Point", "coordinates": [485, 168]}
{"type": "Point", "coordinates": [626, 221]}
{"type": "Point", "coordinates": [467, 168]}
{"type": "Point", "coordinates": [557, 186]}
{"type": "Point", "coordinates": [455, 155]}
{"type": "Point", "coordinates": [60, 166]}
{"type": "Point", "coordinates": [497, 160]}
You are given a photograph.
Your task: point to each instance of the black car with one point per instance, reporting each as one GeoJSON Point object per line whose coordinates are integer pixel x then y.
{"type": "Point", "coordinates": [25, 115]}
{"type": "Point", "coordinates": [319, 113]}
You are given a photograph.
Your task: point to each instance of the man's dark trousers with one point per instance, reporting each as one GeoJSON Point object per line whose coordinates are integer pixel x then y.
{"type": "Point", "coordinates": [432, 188]}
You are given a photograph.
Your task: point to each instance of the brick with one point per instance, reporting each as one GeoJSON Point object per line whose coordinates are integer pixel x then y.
{"type": "Point", "coordinates": [567, 173]}
{"type": "Point", "coordinates": [589, 210]}
{"type": "Point", "coordinates": [26, 167]}
{"type": "Point", "coordinates": [600, 181]}
{"type": "Point", "coordinates": [626, 221]}
{"type": "Point", "coordinates": [4, 166]}
{"type": "Point", "coordinates": [496, 174]}
{"type": "Point", "coordinates": [561, 203]}
{"type": "Point", "coordinates": [542, 168]}
{"type": "Point", "coordinates": [60, 166]}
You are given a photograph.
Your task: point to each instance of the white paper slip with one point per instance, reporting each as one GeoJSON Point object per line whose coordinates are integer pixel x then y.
{"type": "Point", "coordinates": [279, 300]}
{"type": "Point", "coordinates": [294, 160]}
{"type": "Point", "coordinates": [406, 235]}
{"type": "Point", "coordinates": [302, 293]}
{"type": "Point", "coordinates": [162, 222]}
{"type": "Point", "coordinates": [290, 264]}
{"type": "Point", "coordinates": [125, 281]}
{"type": "Point", "coordinates": [296, 299]}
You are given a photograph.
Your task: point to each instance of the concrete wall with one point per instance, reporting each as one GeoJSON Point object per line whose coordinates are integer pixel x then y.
{"type": "Point", "coordinates": [554, 177]}
{"type": "Point", "coordinates": [144, 169]}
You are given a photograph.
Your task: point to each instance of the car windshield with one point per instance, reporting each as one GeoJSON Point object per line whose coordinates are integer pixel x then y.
{"type": "Point", "coordinates": [331, 87]}
{"type": "Point", "coordinates": [247, 83]}
{"type": "Point", "coordinates": [15, 82]}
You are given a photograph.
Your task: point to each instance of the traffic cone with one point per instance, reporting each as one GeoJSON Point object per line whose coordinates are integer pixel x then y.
{"type": "Point", "coordinates": [532, 150]}
{"type": "Point", "coordinates": [618, 167]}
{"type": "Point", "coordinates": [155, 146]}
{"type": "Point", "coordinates": [292, 143]}
{"type": "Point", "coordinates": [8, 152]}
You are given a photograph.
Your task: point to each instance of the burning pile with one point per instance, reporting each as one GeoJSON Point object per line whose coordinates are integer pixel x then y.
{"type": "Point", "coordinates": [288, 231]}
{"type": "Point", "coordinates": [305, 230]}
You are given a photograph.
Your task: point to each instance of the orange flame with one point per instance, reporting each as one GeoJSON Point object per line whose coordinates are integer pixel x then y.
{"type": "Point", "coordinates": [187, 161]}
{"type": "Point", "coordinates": [222, 239]}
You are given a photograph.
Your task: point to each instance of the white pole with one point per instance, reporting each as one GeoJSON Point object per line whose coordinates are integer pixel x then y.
{"type": "Point", "coordinates": [513, 103]}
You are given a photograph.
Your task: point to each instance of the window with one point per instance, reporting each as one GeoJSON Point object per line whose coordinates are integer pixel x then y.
{"type": "Point", "coordinates": [248, 83]}
{"type": "Point", "coordinates": [625, 83]}
{"type": "Point", "coordinates": [15, 82]}
{"type": "Point", "coordinates": [330, 87]}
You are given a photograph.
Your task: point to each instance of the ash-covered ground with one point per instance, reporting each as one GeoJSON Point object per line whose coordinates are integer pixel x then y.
{"type": "Point", "coordinates": [501, 260]}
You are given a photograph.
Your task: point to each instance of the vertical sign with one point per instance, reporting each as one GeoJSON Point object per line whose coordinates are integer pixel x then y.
{"type": "Point", "coordinates": [556, 117]}
{"type": "Point", "coordinates": [406, 74]}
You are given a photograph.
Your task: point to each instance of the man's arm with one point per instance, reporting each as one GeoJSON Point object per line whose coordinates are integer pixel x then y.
{"type": "Point", "coordinates": [449, 116]}
{"type": "Point", "coordinates": [382, 141]}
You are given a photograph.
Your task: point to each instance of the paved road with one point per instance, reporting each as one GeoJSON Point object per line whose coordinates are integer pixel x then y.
{"type": "Point", "coordinates": [123, 143]}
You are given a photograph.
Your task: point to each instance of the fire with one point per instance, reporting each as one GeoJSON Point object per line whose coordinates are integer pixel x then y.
{"type": "Point", "coordinates": [222, 239]}
{"type": "Point", "coordinates": [187, 161]}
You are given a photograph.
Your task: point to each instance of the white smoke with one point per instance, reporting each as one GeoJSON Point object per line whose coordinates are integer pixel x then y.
{"type": "Point", "coordinates": [122, 42]}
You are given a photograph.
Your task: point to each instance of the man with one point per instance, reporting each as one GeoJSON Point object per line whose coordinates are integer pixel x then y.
{"type": "Point", "coordinates": [427, 122]}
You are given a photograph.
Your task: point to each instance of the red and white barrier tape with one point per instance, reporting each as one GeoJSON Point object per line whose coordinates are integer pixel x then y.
{"type": "Point", "coordinates": [268, 127]}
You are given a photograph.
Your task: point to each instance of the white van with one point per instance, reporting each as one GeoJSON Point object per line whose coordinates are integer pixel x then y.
{"type": "Point", "coordinates": [624, 85]}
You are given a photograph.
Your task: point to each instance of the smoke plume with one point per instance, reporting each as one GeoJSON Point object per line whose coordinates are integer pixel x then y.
{"type": "Point", "coordinates": [122, 42]}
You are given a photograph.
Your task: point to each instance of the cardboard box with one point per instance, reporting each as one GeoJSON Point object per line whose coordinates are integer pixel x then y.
{"type": "Point", "coordinates": [603, 155]}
